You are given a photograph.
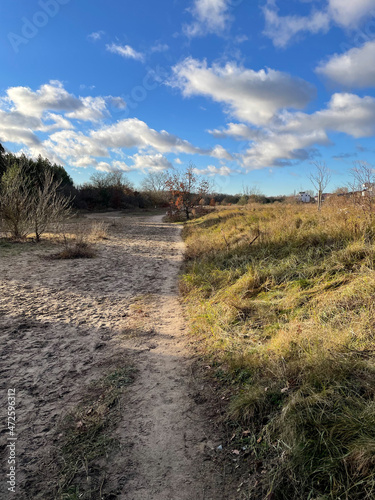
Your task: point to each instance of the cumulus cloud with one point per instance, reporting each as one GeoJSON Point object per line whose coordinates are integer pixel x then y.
{"type": "Point", "coordinates": [51, 96]}
{"type": "Point", "coordinates": [125, 51]}
{"type": "Point", "coordinates": [151, 163]}
{"type": "Point", "coordinates": [349, 13]}
{"type": "Point", "coordinates": [92, 109]}
{"type": "Point", "coordinates": [281, 29]}
{"type": "Point", "coordinates": [344, 13]}
{"type": "Point", "coordinates": [114, 166]}
{"type": "Point", "coordinates": [346, 113]}
{"type": "Point", "coordinates": [251, 96]}
{"type": "Point", "coordinates": [132, 132]}
{"type": "Point", "coordinates": [355, 68]}
{"type": "Point", "coordinates": [220, 153]}
{"type": "Point", "coordinates": [74, 146]}
{"type": "Point", "coordinates": [295, 136]}
{"type": "Point", "coordinates": [211, 170]}
{"type": "Point", "coordinates": [13, 129]}
{"type": "Point", "coordinates": [237, 131]}
{"type": "Point", "coordinates": [116, 102]}
{"type": "Point", "coordinates": [58, 122]}
{"type": "Point", "coordinates": [281, 149]}
{"type": "Point", "coordinates": [51, 110]}
{"type": "Point", "coordinates": [210, 16]}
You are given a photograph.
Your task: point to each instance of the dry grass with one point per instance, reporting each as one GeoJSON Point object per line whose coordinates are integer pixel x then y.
{"type": "Point", "coordinates": [98, 231]}
{"type": "Point", "coordinates": [86, 436]}
{"type": "Point", "coordinates": [74, 251]}
{"type": "Point", "coordinates": [78, 242]}
{"type": "Point", "coordinates": [282, 300]}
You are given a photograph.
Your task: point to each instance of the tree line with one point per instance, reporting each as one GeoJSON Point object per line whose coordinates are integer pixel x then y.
{"type": "Point", "coordinates": [37, 192]}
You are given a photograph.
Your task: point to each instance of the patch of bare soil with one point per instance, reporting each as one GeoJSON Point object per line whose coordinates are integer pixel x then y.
{"type": "Point", "coordinates": [65, 324]}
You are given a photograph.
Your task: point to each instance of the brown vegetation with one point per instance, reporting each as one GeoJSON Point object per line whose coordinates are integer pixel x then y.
{"type": "Point", "coordinates": [281, 300]}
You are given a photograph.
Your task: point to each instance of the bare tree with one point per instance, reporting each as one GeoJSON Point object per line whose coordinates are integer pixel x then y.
{"type": "Point", "coordinates": [15, 202]}
{"type": "Point", "coordinates": [363, 187]}
{"type": "Point", "coordinates": [26, 206]}
{"type": "Point", "coordinates": [320, 180]}
{"type": "Point", "coordinates": [154, 186]}
{"type": "Point", "coordinates": [116, 178]}
{"type": "Point", "coordinates": [47, 205]}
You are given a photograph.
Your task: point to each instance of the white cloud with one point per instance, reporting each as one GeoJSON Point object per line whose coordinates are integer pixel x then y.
{"type": "Point", "coordinates": [221, 153]}
{"type": "Point", "coordinates": [251, 96]}
{"type": "Point", "coordinates": [236, 131]}
{"type": "Point", "coordinates": [125, 51]}
{"type": "Point", "coordinates": [346, 113]}
{"type": "Point", "coordinates": [211, 170]}
{"type": "Point", "coordinates": [210, 16]}
{"type": "Point", "coordinates": [116, 102]}
{"type": "Point", "coordinates": [13, 128]}
{"type": "Point", "coordinates": [114, 166]}
{"type": "Point", "coordinates": [355, 68]}
{"type": "Point", "coordinates": [95, 36]}
{"type": "Point", "coordinates": [160, 47]}
{"type": "Point", "coordinates": [50, 110]}
{"type": "Point", "coordinates": [73, 146]}
{"type": "Point", "coordinates": [92, 109]}
{"type": "Point", "coordinates": [51, 96]}
{"type": "Point", "coordinates": [280, 149]}
{"type": "Point", "coordinates": [151, 163]}
{"type": "Point", "coordinates": [136, 133]}
{"type": "Point", "coordinates": [349, 13]}
{"type": "Point", "coordinates": [344, 13]}
{"type": "Point", "coordinates": [295, 135]}
{"type": "Point", "coordinates": [58, 122]}
{"type": "Point", "coordinates": [281, 29]}
{"type": "Point", "coordinates": [83, 162]}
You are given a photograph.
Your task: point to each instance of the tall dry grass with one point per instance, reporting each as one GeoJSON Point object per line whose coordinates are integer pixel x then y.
{"type": "Point", "coordinates": [282, 300]}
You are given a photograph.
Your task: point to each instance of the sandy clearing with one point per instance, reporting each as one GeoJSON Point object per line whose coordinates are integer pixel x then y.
{"type": "Point", "coordinates": [62, 323]}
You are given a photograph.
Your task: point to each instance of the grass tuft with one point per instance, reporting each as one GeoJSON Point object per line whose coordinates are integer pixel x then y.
{"type": "Point", "coordinates": [74, 251]}
{"type": "Point", "coordinates": [86, 437]}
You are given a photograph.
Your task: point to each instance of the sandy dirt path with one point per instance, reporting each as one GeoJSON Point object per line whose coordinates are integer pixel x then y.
{"type": "Point", "coordinates": [62, 323]}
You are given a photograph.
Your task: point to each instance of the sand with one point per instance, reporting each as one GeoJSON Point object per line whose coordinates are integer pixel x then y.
{"type": "Point", "coordinates": [64, 323]}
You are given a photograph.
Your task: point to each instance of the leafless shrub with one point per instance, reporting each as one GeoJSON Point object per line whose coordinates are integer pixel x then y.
{"type": "Point", "coordinates": [363, 188]}
{"type": "Point", "coordinates": [15, 203]}
{"type": "Point", "coordinates": [26, 206]}
{"type": "Point", "coordinates": [77, 245]}
{"type": "Point", "coordinates": [48, 206]}
{"type": "Point", "coordinates": [75, 251]}
{"type": "Point", "coordinates": [98, 231]}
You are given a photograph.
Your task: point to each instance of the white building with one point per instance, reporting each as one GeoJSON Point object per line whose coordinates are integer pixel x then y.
{"type": "Point", "coordinates": [304, 197]}
{"type": "Point", "coordinates": [368, 189]}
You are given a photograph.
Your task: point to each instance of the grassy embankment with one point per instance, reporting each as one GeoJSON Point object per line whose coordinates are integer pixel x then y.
{"type": "Point", "coordinates": [281, 299]}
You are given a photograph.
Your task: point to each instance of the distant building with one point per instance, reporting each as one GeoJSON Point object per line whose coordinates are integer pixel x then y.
{"type": "Point", "coordinates": [368, 189]}
{"type": "Point", "coordinates": [304, 197]}
{"type": "Point", "coordinates": [325, 197]}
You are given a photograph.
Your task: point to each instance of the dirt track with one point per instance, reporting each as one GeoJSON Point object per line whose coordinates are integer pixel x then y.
{"type": "Point", "coordinates": [63, 322]}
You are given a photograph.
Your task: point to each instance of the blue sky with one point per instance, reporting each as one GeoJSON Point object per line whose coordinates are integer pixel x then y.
{"type": "Point", "coordinates": [251, 92]}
